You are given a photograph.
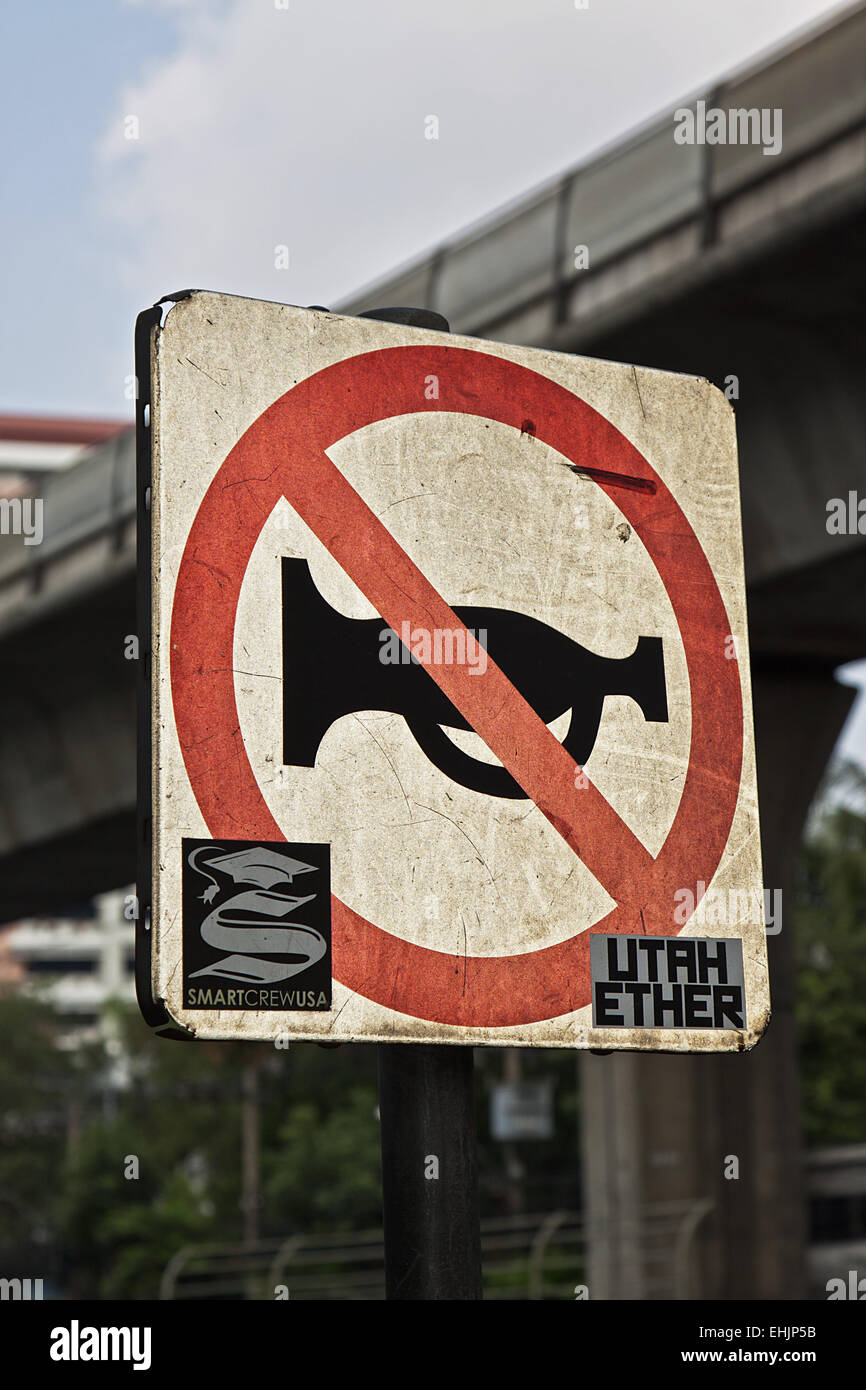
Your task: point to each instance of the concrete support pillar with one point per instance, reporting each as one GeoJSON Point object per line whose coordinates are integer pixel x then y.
{"type": "Point", "coordinates": [659, 1128]}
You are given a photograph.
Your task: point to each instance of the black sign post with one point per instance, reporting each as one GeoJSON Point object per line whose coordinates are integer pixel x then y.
{"type": "Point", "coordinates": [427, 1115]}
{"type": "Point", "coordinates": [429, 1172]}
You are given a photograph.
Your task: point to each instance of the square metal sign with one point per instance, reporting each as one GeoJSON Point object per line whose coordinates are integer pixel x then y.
{"type": "Point", "coordinates": [447, 729]}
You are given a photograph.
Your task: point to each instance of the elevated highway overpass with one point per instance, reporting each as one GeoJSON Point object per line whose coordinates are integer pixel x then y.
{"type": "Point", "coordinates": [712, 259]}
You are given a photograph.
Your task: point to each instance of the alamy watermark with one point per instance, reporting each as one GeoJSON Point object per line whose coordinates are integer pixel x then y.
{"type": "Point", "coordinates": [735, 125]}
{"type": "Point", "coordinates": [77, 1343]}
{"type": "Point", "coordinates": [22, 516]}
{"type": "Point", "coordinates": [722, 907]}
{"type": "Point", "coordinates": [854, 1288]}
{"type": "Point", "coordinates": [438, 646]}
{"type": "Point", "coordinates": [20, 1290]}
{"type": "Point", "coordinates": [846, 516]}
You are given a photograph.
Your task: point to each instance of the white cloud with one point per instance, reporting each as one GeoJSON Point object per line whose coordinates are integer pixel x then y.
{"type": "Point", "coordinates": [305, 126]}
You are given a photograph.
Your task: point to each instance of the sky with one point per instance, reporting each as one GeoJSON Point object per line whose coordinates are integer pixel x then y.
{"type": "Point", "coordinates": [153, 145]}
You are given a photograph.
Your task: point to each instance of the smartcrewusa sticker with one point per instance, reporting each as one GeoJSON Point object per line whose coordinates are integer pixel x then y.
{"type": "Point", "coordinates": [256, 925]}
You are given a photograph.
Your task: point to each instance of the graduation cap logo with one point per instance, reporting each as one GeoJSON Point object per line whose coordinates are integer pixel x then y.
{"type": "Point", "coordinates": [257, 864]}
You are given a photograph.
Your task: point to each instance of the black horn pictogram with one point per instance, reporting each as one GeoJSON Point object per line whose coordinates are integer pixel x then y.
{"type": "Point", "coordinates": [332, 666]}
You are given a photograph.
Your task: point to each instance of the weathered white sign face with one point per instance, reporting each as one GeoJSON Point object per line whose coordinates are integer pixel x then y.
{"type": "Point", "coordinates": [452, 734]}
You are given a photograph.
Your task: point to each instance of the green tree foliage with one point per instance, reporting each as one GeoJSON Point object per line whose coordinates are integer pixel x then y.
{"type": "Point", "coordinates": [323, 1173]}
{"type": "Point", "coordinates": [71, 1120]}
{"type": "Point", "coordinates": [830, 934]}
{"type": "Point", "coordinates": [43, 1090]}
{"type": "Point", "coordinates": [180, 1117]}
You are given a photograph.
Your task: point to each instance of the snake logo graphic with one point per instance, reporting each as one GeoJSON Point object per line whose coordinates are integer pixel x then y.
{"type": "Point", "coordinates": [245, 924]}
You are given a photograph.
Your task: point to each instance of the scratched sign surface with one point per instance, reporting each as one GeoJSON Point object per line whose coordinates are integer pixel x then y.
{"type": "Point", "coordinates": [451, 723]}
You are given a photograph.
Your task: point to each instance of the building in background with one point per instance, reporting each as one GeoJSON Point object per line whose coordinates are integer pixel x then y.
{"type": "Point", "coordinates": [76, 963]}
{"type": "Point", "coordinates": [33, 445]}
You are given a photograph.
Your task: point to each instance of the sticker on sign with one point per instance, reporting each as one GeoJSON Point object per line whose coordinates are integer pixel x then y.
{"type": "Point", "coordinates": [449, 681]}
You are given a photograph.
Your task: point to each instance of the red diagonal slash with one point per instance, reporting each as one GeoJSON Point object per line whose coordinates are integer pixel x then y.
{"type": "Point", "coordinates": [494, 708]}
{"type": "Point", "coordinates": [283, 453]}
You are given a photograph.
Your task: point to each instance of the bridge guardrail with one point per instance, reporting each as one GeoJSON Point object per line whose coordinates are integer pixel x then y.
{"type": "Point", "coordinates": [534, 1257]}
{"type": "Point", "coordinates": [639, 187]}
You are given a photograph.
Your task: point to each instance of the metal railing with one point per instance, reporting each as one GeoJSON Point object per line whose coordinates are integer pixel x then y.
{"type": "Point", "coordinates": [89, 533]}
{"type": "Point", "coordinates": [534, 1257]}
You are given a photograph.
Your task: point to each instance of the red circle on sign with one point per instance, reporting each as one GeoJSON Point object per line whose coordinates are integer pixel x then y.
{"type": "Point", "coordinates": [283, 454]}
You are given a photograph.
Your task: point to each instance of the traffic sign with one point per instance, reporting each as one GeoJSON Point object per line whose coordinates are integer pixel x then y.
{"type": "Point", "coordinates": [452, 734]}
